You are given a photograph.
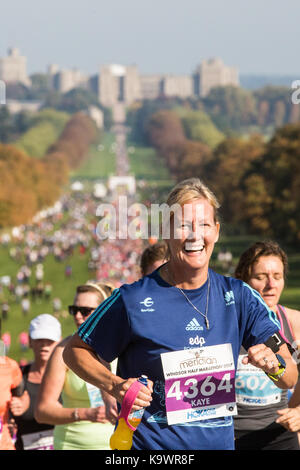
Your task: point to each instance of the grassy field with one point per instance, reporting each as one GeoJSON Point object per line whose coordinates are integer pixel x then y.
{"type": "Point", "coordinates": [100, 162]}
{"type": "Point", "coordinates": [63, 288]}
{"type": "Point", "coordinates": [145, 164]}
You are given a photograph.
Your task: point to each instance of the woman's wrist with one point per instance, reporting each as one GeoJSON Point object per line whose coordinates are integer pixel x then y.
{"type": "Point", "coordinates": [75, 415]}
{"type": "Point", "coordinates": [110, 384]}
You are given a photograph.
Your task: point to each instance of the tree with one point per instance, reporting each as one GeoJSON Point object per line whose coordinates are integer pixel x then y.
{"type": "Point", "coordinates": [6, 125]}
{"type": "Point", "coordinates": [139, 114]}
{"type": "Point", "coordinates": [165, 130]}
{"type": "Point", "coordinates": [281, 167]}
{"type": "Point", "coordinates": [231, 107]}
{"type": "Point", "coordinates": [277, 104]}
{"type": "Point", "coordinates": [78, 134]}
{"type": "Point", "coordinates": [17, 199]}
{"type": "Point", "coordinates": [194, 160]}
{"type": "Point", "coordinates": [199, 127]}
{"type": "Point", "coordinates": [272, 187]}
{"type": "Point", "coordinates": [229, 165]}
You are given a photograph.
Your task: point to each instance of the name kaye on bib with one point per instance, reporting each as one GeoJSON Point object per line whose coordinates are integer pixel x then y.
{"type": "Point", "coordinates": [199, 383]}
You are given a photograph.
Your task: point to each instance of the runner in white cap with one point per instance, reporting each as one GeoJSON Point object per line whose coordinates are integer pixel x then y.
{"type": "Point", "coordinates": [44, 334]}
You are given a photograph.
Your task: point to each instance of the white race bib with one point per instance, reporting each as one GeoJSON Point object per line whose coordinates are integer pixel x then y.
{"type": "Point", "coordinates": [38, 440]}
{"type": "Point", "coordinates": [94, 396]}
{"type": "Point", "coordinates": [253, 387]}
{"type": "Point", "coordinates": [199, 383]}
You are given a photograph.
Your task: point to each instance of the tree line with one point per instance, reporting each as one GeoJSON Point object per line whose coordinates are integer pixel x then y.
{"type": "Point", "coordinates": [256, 181]}
{"type": "Point", "coordinates": [30, 184]}
{"type": "Point", "coordinates": [230, 110]}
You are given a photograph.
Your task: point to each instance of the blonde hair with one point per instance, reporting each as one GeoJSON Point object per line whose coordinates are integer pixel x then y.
{"type": "Point", "coordinates": [191, 189]}
{"type": "Point", "coordinates": [103, 290]}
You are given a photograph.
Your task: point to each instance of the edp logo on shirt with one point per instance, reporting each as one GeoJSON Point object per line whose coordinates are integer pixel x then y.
{"type": "Point", "coordinates": [194, 325]}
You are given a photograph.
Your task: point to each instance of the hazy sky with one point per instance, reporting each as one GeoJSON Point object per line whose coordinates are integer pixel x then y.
{"type": "Point", "coordinates": [160, 36]}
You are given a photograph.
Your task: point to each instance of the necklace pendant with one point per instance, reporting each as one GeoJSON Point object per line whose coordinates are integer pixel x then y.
{"type": "Point", "coordinates": [207, 323]}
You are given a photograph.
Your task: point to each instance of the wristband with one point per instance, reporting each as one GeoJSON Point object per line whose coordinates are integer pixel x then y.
{"type": "Point", "coordinates": [282, 368]}
{"type": "Point", "coordinates": [76, 415]}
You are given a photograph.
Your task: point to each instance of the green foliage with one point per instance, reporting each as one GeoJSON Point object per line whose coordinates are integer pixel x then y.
{"type": "Point", "coordinates": [47, 125]}
{"type": "Point", "coordinates": [76, 100]}
{"type": "Point", "coordinates": [279, 170]}
{"type": "Point", "coordinates": [79, 132]}
{"type": "Point", "coordinates": [39, 85]}
{"type": "Point", "coordinates": [198, 126]}
{"type": "Point", "coordinates": [57, 118]}
{"type": "Point", "coordinates": [32, 184]}
{"type": "Point", "coordinates": [257, 182]}
{"type": "Point", "coordinates": [37, 140]}
{"type": "Point", "coordinates": [230, 107]}
{"type": "Point", "coordinates": [6, 125]}
{"type": "Point", "coordinates": [138, 116]}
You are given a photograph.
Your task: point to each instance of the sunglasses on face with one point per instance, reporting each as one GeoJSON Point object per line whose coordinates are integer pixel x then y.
{"type": "Point", "coordinates": [85, 311]}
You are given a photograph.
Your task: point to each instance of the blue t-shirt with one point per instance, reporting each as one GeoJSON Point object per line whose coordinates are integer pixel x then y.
{"type": "Point", "coordinates": [149, 317]}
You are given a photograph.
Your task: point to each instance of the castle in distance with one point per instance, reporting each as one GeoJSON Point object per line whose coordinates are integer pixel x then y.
{"type": "Point", "coordinates": [117, 83]}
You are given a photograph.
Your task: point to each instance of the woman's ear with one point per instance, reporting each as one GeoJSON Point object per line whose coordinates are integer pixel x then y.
{"type": "Point", "coordinates": [218, 231]}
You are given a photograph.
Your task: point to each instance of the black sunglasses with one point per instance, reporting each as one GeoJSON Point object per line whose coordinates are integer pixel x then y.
{"type": "Point", "coordinates": [85, 311]}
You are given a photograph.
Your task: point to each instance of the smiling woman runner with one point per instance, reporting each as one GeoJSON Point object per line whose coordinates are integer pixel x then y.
{"type": "Point", "coordinates": [156, 325]}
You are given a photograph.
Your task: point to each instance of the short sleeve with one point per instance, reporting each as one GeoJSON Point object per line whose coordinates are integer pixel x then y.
{"type": "Point", "coordinates": [260, 322]}
{"type": "Point", "coordinates": [107, 330]}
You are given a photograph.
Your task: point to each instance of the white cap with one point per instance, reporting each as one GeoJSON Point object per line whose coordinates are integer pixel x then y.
{"type": "Point", "coordinates": [45, 326]}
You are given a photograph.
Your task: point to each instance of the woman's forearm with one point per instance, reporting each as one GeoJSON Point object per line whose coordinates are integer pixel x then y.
{"type": "Point", "coordinates": [84, 362]}
{"type": "Point", "coordinates": [295, 398]}
{"type": "Point", "coordinates": [54, 413]}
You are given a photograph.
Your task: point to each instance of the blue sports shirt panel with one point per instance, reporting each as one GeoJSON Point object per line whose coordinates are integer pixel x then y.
{"type": "Point", "coordinates": [110, 319]}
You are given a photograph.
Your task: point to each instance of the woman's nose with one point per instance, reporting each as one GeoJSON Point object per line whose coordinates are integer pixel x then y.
{"type": "Point", "coordinates": [271, 282]}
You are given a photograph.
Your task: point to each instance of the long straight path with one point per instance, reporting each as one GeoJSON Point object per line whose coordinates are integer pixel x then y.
{"type": "Point", "coordinates": [120, 130]}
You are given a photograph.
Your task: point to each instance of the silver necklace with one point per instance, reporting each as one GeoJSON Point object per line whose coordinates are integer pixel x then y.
{"type": "Point", "coordinates": [190, 302]}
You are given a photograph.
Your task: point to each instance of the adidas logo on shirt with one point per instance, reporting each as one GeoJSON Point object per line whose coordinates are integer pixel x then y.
{"type": "Point", "coordinates": [193, 325]}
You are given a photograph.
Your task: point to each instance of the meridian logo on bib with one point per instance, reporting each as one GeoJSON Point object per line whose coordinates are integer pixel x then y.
{"type": "Point", "coordinates": [193, 325]}
{"type": "Point", "coordinates": [148, 302]}
{"type": "Point", "coordinates": [229, 298]}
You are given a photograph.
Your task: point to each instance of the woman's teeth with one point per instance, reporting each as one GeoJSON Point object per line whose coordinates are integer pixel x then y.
{"type": "Point", "coordinates": [189, 247]}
